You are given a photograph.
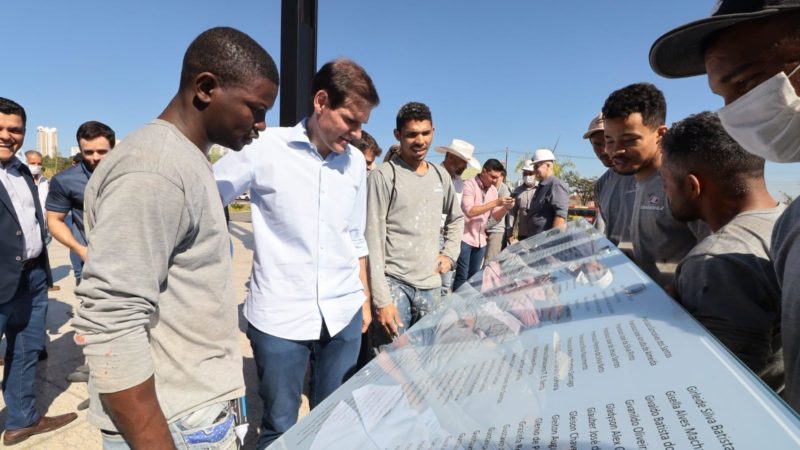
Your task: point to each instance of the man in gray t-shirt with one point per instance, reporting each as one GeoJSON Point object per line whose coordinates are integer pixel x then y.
{"type": "Point", "coordinates": [406, 198]}
{"type": "Point", "coordinates": [614, 193]}
{"type": "Point", "coordinates": [157, 316]}
{"type": "Point", "coordinates": [634, 124]}
{"type": "Point", "coordinates": [727, 282]}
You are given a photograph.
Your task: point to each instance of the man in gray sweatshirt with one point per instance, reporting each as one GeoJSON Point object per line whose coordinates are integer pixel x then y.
{"type": "Point", "coordinates": [158, 317]}
{"type": "Point", "coordinates": [406, 199]}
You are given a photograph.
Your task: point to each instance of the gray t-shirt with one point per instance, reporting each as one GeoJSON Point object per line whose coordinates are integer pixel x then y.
{"type": "Point", "coordinates": [786, 258]}
{"type": "Point", "coordinates": [615, 195]}
{"type": "Point", "coordinates": [495, 225]}
{"type": "Point", "coordinates": [659, 240]}
{"type": "Point", "coordinates": [523, 199]}
{"type": "Point", "coordinates": [157, 295]}
{"type": "Point", "coordinates": [404, 216]}
{"type": "Point", "coordinates": [727, 282]}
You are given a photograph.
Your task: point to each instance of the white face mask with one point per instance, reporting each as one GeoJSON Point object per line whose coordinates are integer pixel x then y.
{"type": "Point", "coordinates": [529, 180]}
{"type": "Point", "coordinates": [35, 170]}
{"type": "Point", "coordinates": [766, 120]}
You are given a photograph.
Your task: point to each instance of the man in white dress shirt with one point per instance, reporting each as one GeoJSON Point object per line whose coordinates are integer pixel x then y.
{"type": "Point", "coordinates": [309, 296]}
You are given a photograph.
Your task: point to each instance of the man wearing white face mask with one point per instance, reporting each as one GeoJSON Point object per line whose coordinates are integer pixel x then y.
{"type": "Point", "coordinates": [34, 162]}
{"type": "Point", "coordinates": [751, 52]}
{"type": "Point", "coordinates": [523, 198]}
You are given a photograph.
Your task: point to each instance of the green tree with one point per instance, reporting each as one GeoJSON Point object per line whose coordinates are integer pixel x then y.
{"type": "Point", "coordinates": [215, 153]}
{"type": "Point", "coordinates": [52, 166]}
{"type": "Point", "coordinates": [469, 172]}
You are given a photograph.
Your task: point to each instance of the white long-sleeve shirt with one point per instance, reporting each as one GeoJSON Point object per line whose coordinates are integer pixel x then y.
{"type": "Point", "coordinates": [22, 199]}
{"type": "Point", "coordinates": [309, 216]}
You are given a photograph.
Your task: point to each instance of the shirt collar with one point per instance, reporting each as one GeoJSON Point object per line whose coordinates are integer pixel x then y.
{"type": "Point", "coordinates": [480, 183]}
{"type": "Point", "coordinates": [548, 180]}
{"type": "Point", "coordinates": [86, 170]}
{"type": "Point", "coordinates": [14, 164]}
{"type": "Point", "coordinates": [299, 135]}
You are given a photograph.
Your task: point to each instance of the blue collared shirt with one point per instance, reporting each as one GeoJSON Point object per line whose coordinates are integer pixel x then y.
{"type": "Point", "coordinates": [66, 195]}
{"type": "Point", "coordinates": [309, 216]}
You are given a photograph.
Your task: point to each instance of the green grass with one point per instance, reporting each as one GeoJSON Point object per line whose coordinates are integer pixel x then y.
{"type": "Point", "coordinates": [239, 206]}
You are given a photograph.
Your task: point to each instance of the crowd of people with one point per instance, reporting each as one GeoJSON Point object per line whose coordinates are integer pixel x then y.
{"type": "Point", "coordinates": [350, 253]}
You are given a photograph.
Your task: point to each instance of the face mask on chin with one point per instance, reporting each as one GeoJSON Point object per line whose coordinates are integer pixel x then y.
{"type": "Point", "coordinates": [766, 120]}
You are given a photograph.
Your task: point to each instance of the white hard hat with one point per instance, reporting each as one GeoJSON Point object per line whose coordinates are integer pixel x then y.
{"type": "Point", "coordinates": [528, 166]}
{"type": "Point", "coordinates": [543, 154]}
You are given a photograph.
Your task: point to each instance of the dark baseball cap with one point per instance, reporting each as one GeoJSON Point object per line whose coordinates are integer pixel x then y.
{"type": "Point", "coordinates": [679, 53]}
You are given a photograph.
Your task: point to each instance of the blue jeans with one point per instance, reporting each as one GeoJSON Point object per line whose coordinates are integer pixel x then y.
{"type": "Point", "coordinates": [77, 266]}
{"type": "Point", "coordinates": [412, 305]}
{"type": "Point", "coordinates": [203, 429]}
{"type": "Point", "coordinates": [469, 263]}
{"type": "Point", "coordinates": [22, 320]}
{"type": "Point", "coordinates": [281, 365]}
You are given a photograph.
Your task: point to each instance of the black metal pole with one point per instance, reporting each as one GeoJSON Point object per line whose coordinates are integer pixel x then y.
{"type": "Point", "coordinates": [298, 58]}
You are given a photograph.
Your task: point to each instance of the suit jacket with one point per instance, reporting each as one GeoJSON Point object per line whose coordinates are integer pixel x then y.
{"type": "Point", "coordinates": [12, 242]}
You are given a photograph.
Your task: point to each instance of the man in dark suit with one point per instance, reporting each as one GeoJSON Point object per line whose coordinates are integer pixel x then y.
{"type": "Point", "coordinates": [24, 278]}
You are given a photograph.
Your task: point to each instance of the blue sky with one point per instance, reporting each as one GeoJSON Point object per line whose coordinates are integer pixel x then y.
{"type": "Point", "coordinates": [515, 74]}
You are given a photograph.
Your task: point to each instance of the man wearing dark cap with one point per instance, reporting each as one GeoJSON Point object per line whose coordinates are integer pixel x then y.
{"type": "Point", "coordinates": [750, 50]}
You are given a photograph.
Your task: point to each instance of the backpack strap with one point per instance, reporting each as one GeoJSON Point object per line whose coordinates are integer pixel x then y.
{"type": "Point", "coordinates": [393, 192]}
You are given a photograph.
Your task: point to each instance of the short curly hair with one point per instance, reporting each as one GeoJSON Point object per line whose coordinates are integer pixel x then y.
{"type": "Point", "coordinates": [700, 144]}
{"type": "Point", "coordinates": [412, 111]}
{"type": "Point", "coordinates": [643, 98]}
{"type": "Point", "coordinates": [231, 55]}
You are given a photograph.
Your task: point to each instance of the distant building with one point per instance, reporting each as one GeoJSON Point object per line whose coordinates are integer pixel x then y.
{"type": "Point", "coordinates": [47, 141]}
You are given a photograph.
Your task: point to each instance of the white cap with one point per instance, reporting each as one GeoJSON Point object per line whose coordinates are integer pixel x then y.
{"type": "Point", "coordinates": [543, 154]}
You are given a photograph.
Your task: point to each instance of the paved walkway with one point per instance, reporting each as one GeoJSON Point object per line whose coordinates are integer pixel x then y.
{"type": "Point", "coordinates": [55, 395]}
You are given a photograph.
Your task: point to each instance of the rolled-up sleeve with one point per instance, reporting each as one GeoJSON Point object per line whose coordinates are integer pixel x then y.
{"type": "Point", "coordinates": [560, 200]}
{"type": "Point", "coordinates": [137, 222]}
{"type": "Point", "coordinates": [468, 196]}
{"type": "Point", "coordinates": [358, 219]}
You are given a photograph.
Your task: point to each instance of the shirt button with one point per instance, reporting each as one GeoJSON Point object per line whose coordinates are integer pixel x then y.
{"type": "Point", "coordinates": [19, 233]}
{"type": "Point", "coordinates": [18, 258]}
